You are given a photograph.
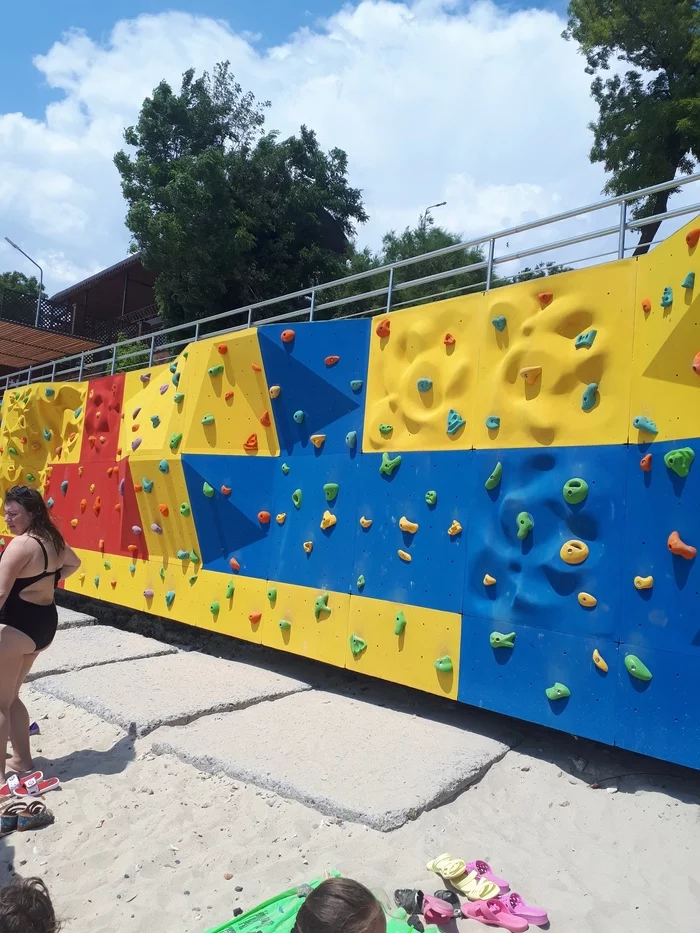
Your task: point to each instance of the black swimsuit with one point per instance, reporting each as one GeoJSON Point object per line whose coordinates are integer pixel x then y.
{"type": "Point", "coordinates": [38, 622]}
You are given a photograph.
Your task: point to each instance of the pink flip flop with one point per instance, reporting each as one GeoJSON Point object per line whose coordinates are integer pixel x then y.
{"type": "Point", "coordinates": [483, 870]}
{"type": "Point", "coordinates": [436, 910]}
{"type": "Point", "coordinates": [529, 912]}
{"type": "Point", "coordinates": [15, 781]}
{"type": "Point", "coordinates": [495, 913]}
{"type": "Point", "coordinates": [31, 787]}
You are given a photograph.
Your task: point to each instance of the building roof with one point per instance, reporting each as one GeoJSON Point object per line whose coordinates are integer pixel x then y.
{"type": "Point", "coordinates": [62, 296]}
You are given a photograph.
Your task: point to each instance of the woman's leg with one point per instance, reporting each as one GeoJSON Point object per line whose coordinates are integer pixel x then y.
{"type": "Point", "coordinates": [14, 646]}
{"type": "Point", "coordinates": [21, 760]}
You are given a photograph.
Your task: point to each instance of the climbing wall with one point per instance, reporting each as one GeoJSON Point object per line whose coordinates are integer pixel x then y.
{"type": "Point", "coordinates": [492, 498]}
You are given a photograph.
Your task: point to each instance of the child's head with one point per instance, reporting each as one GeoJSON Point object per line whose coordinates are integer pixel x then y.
{"type": "Point", "coordinates": [25, 907]}
{"type": "Point", "coordinates": [340, 905]}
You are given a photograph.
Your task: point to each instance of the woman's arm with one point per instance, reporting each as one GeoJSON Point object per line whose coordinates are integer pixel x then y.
{"type": "Point", "coordinates": [71, 562]}
{"type": "Point", "coordinates": [16, 557]}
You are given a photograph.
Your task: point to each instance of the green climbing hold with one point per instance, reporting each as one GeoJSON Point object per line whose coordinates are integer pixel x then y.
{"type": "Point", "coordinates": [285, 468]}
{"type": "Point", "coordinates": [558, 691]}
{"type": "Point", "coordinates": [644, 424]}
{"type": "Point", "coordinates": [431, 497]}
{"type": "Point", "coordinates": [272, 594]}
{"type": "Point", "coordinates": [47, 434]}
{"type": "Point", "coordinates": [107, 565]}
{"type": "Point", "coordinates": [360, 581]}
{"type": "Point", "coordinates": [680, 460]}
{"type": "Point", "coordinates": [688, 281]}
{"type": "Point", "coordinates": [495, 478]}
{"type": "Point", "coordinates": [424, 385]}
{"type": "Point", "coordinates": [667, 297]}
{"type": "Point", "coordinates": [185, 510]}
{"type": "Point", "coordinates": [176, 379]}
{"type": "Point", "coordinates": [499, 322]}
{"type": "Point", "coordinates": [298, 416]}
{"type": "Point", "coordinates": [216, 370]}
{"type": "Point", "coordinates": [179, 397]}
{"type": "Point", "coordinates": [208, 490]}
{"type": "Point", "coordinates": [164, 466]}
{"type": "Point", "coordinates": [575, 490]}
{"type": "Point", "coordinates": [192, 580]}
{"type": "Point", "coordinates": [357, 645]}
{"type": "Point", "coordinates": [194, 557]}
{"type": "Point", "coordinates": [169, 597]}
{"type": "Point", "coordinates": [389, 464]}
{"type": "Point", "coordinates": [161, 573]}
{"type": "Point", "coordinates": [31, 478]}
{"type": "Point", "coordinates": [175, 440]}
{"type": "Point", "coordinates": [399, 623]}
{"type": "Point", "coordinates": [173, 367]}
{"type": "Point", "coordinates": [590, 394]}
{"type": "Point", "coordinates": [185, 354]}
{"type": "Point", "coordinates": [637, 668]}
{"type": "Point", "coordinates": [214, 608]}
{"type": "Point", "coordinates": [499, 640]}
{"type": "Point", "coordinates": [586, 339]}
{"type": "Point", "coordinates": [13, 451]}
{"type": "Point", "coordinates": [454, 422]}
{"type": "Point", "coordinates": [386, 429]}
{"type": "Point", "coordinates": [493, 422]}
{"type": "Point", "coordinates": [183, 555]}
{"type": "Point", "coordinates": [155, 420]}
{"type": "Point", "coordinates": [96, 581]}
{"type": "Point", "coordinates": [321, 606]}
{"type": "Point", "coordinates": [444, 664]}
{"type": "Point", "coordinates": [208, 419]}
{"type": "Point", "coordinates": [296, 498]}
{"type": "Point", "coordinates": [285, 625]}
{"type": "Point", "coordinates": [147, 484]}
{"type": "Point", "coordinates": [229, 589]}
{"type": "Point", "coordinates": [525, 524]}
{"type": "Point", "coordinates": [331, 491]}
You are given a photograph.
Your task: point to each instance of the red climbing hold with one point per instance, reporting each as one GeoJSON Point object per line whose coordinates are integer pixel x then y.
{"type": "Point", "coordinates": [251, 443]}
{"type": "Point", "coordinates": [646, 305]}
{"type": "Point", "coordinates": [449, 340]}
{"type": "Point", "coordinates": [256, 368]}
{"type": "Point", "coordinates": [696, 363]}
{"type": "Point", "coordinates": [692, 237]}
{"type": "Point", "coordinates": [383, 328]}
{"type": "Point", "coordinates": [645, 463]}
{"type": "Point", "coordinates": [545, 298]}
{"type": "Point", "coordinates": [265, 419]}
{"type": "Point", "coordinates": [255, 617]}
{"type": "Point", "coordinates": [331, 360]}
{"type": "Point", "coordinates": [222, 348]}
{"type": "Point", "coordinates": [264, 518]}
{"type": "Point", "coordinates": [228, 396]}
{"type": "Point", "coordinates": [234, 564]}
{"type": "Point", "coordinates": [226, 490]}
{"type": "Point", "coordinates": [287, 336]}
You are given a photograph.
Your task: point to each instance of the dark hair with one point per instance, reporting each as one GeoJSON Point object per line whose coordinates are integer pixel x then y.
{"type": "Point", "coordinates": [338, 905]}
{"type": "Point", "coordinates": [25, 907]}
{"type": "Point", "coordinates": [40, 521]}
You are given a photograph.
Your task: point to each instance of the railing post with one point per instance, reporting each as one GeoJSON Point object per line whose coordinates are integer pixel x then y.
{"type": "Point", "coordinates": [53, 372]}
{"type": "Point", "coordinates": [390, 290]}
{"type": "Point", "coordinates": [29, 374]}
{"type": "Point", "coordinates": [150, 353]}
{"type": "Point", "coordinates": [196, 332]}
{"type": "Point", "coordinates": [489, 267]}
{"type": "Point", "coordinates": [82, 364]}
{"type": "Point", "coordinates": [250, 317]}
{"type": "Point", "coordinates": [623, 226]}
{"type": "Point", "coordinates": [312, 307]}
{"type": "Point", "coordinates": [114, 358]}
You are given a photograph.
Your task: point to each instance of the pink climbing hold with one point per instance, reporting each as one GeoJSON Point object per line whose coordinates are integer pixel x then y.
{"type": "Point", "coordinates": [136, 443]}
{"type": "Point", "coordinates": [137, 530]}
{"type": "Point", "coordinates": [148, 594]}
{"type": "Point", "coordinates": [164, 388]}
{"type": "Point", "coordinates": [145, 377]}
{"type": "Point", "coordinates": [156, 529]}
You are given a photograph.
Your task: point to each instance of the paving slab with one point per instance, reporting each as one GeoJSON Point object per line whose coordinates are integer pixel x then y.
{"type": "Point", "coordinates": [91, 646]}
{"type": "Point", "coordinates": [69, 618]}
{"type": "Point", "coordinates": [342, 756]}
{"type": "Point", "coordinates": [142, 695]}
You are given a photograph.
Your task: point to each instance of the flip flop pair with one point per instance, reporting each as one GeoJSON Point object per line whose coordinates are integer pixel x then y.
{"type": "Point", "coordinates": [35, 786]}
{"type": "Point", "coordinates": [472, 880]}
{"type": "Point", "coordinates": [515, 903]}
{"type": "Point", "coordinates": [509, 912]}
{"type": "Point", "coordinates": [15, 781]}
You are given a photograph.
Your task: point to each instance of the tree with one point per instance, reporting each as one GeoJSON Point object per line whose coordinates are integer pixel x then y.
{"type": "Point", "coordinates": [540, 270]}
{"type": "Point", "coordinates": [21, 283]}
{"type": "Point", "coordinates": [648, 128]}
{"type": "Point", "coordinates": [224, 213]}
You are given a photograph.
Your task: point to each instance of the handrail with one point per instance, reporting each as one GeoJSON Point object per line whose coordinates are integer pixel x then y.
{"type": "Point", "coordinates": [104, 359]}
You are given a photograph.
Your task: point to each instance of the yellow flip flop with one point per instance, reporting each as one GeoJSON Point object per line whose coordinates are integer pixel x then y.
{"type": "Point", "coordinates": [447, 867]}
{"type": "Point", "coordinates": [474, 889]}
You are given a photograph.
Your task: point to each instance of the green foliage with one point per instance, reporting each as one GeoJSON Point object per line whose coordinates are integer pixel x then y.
{"type": "Point", "coordinates": [648, 128]}
{"type": "Point", "coordinates": [225, 213]}
{"type": "Point", "coordinates": [540, 270]}
{"type": "Point", "coordinates": [130, 356]}
{"type": "Point", "coordinates": [23, 284]}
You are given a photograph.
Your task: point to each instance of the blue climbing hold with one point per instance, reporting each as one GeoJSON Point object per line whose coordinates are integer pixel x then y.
{"type": "Point", "coordinates": [499, 322]}
{"type": "Point", "coordinates": [356, 385]}
{"type": "Point", "coordinates": [147, 484]}
{"type": "Point", "coordinates": [424, 385]}
{"type": "Point", "coordinates": [155, 420]}
{"type": "Point", "coordinates": [64, 486]}
{"type": "Point", "coordinates": [50, 392]}
{"type": "Point", "coordinates": [667, 297]}
{"type": "Point", "coordinates": [493, 422]}
{"type": "Point", "coordinates": [688, 281]}
{"type": "Point", "coordinates": [164, 466]}
{"type": "Point", "coordinates": [590, 394]}
{"type": "Point", "coordinates": [298, 416]}
{"type": "Point", "coordinates": [47, 434]}
{"type": "Point", "coordinates": [644, 424]}
{"type": "Point", "coordinates": [49, 503]}
{"type": "Point", "coordinates": [586, 339]}
{"type": "Point", "coordinates": [454, 421]}
{"type": "Point", "coordinates": [351, 439]}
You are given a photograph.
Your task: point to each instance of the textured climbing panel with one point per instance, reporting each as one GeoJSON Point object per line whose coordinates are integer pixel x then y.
{"type": "Point", "coordinates": [103, 416]}
{"type": "Point", "coordinates": [321, 635]}
{"type": "Point", "coordinates": [164, 511]}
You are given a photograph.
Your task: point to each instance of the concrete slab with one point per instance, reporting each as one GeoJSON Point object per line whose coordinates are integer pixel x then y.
{"type": "Point", "coordinates": [69, 618]}
{"type": "Point", "coordinates": [142, 695]}
{"type": "Point", "coordinates": [91, 646]}
{"type": "Point", "coordinates": [342, 756]}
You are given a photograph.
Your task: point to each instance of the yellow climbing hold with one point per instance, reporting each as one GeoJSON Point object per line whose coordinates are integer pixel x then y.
{"type": "Point", "coordinates": [328, 520]}
{"type": "Point", "coordinates": [454, 529]}
{"type": "Point", "coordinates": [531, 374]}
{"type": "Point", "coordinates": [574, 551]}
{"type": "Point", "coordinates": [274, 391]}
{"type": "Point", "coordinates": [489, 580]}
{"type": "Point", "coordinates": [308, 546]}
{"type": "Point", "coordinates": [405, 556]}
{"type": "Point", "coordinates": [599, 662]}
{"type": "Point", "coordinates": [644, 583]}
{"type": "Point", "coordinates": [281, 518]}
{"type": "Point", "coordinates": [366, 522]}
{"type": "Point", "coordinates": [405, 525]}
{"type": "Point", "coordinates": [585, 599]}
{"type": "Point", "coordinates": [317, 440]}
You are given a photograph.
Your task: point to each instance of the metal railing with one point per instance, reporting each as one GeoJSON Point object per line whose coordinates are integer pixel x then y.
{"type": "Point", "coordinates": [321, 302]}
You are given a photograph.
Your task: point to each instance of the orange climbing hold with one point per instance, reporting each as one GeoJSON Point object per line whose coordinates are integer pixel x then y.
{"type": "Point", "coordinates": [318, 440]}
{"type": "Point", "coordinates": [132, 549]}
{"type": "Point", "coordinates": [91, 440]}
{"type": "Point", "coordinates": [97, 506]}
{"type": "Point", "coordinates": [113, 584]}
{"type": "Point", "coordinates": [680, 548]}
{"type": "Point", "coordinates": [222, 348]}
{"type": "Point", "coordinates": [251, 443]}
{"type": "Point", "coordinates": [692, 237]}
{"type": "Point", "coordinates": [545, 298]}
{"type": "Point", "coordinates": [331, 360]}
{"type": "Point", "coordinates": [101, 545]}
{"type": "Point", "coordinates": [696, 364]}
{"type": "Point", "coordinates": [383, 328]}
{"type": "Point", "coordinates": [228, 396]}
{"type": "Point", "coordinates": [110, 470]}
{"type": "Point", "coordinates": [59, 451]}
{"type": "Point", "coordinates": [287, 336]}
{"type": "Point", "coordinates": [118, 507]}
{"type": "Point", "coordinates": [164, 510]}
{"type": "Point", "coordinates": [226, 490]}
{"type": "Point", "coordinates": [138, 487]}
{"type": "Point", "coordinates": [233, 563]}
{"type": "Point", "coordinates": [83, 505]}
{"type": "Point", "coordinates": [265, 419]}
{"type": "Point", "coordinates": [256, 368]}
{"type": "Point", "coordinates": [264, 518]}
{"type": "Point", "coordinates": [449, 340]}
{"type": "Point", "coordinates": [135, 427]}
{"type": "Point", "coordinates": [645, 463]}
{"type": "Point", "coordinates": [92, 487]}
{"type": "Point", "coordinates": [255, 617]}
{"type": "Point", "coordinates": [646, 305]}
{"type": "Point", "coordinates": [74, 523]}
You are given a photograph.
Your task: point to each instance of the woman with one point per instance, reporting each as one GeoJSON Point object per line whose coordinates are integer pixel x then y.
{"type": "Point", "coordinates": [31, 567]}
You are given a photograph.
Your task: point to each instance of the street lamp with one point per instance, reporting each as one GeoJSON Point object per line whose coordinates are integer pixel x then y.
{"type": "Point", "coordinates": [429, 209]}
{"type": "Point", "coordinates": [41, 277]}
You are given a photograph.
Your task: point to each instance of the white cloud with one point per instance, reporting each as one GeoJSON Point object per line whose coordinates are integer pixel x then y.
{"type": "Point", "coordinates": [432, 99]}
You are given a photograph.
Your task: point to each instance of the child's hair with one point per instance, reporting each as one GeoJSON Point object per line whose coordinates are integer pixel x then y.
{"type": "Point", "coordinates": [339, 905]}
{"type": "Point", "coordinates": [25, 907]}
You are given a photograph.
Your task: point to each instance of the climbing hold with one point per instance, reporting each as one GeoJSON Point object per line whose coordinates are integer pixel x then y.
{"type": "Point", "coordinates": [97, 506]}
{"type": "Point", "coordinates": [74, 522]}
{"type": "Point", "coordinates": [575, 490]}
{"type": "Point", "coordinates": [448, 340]}
{"type": "Point", "coordinates": [222, 348]}
{"type": "Point", "coordinates": [216, 370]}
{"type": "Point", "coordinates": [365, 522]}
{"type": "Point", "coordinates": [214, 608]}
{"type": "Point", "coordinates": [454, 529]}
{"type": "Point", "coordinates": [599, 662]}
{"type": "Point", "coordinates": [78, 412]}
{"type": "Point", "coordinates": [493, 422]}
{"type": "Point", "coordinates": [679, 548]}
{"type": "Point", "coordinates": [545, 298]}
{"type": "Point", "coordinates": [637, 668]}
{"type": "Point", "coordinates": [531, 374]}
{"type": "Point", "coordinates": [399, 623]}
{"type": "Point", "coordinates": [558, 692]}
{"type": "Point", "coordinates": [137, 530]}
{"type": "Point", "coordinates": [646, 305]}
{"type": "Point", "coordinates": [264, 518]}
{"type": "Point", "coordinates": [296, 498]}
{"type": "Point", "coordinates": [386, 429]}
{"type": "Point", "coordinates": [454, 421]}
{"type": "Point", "coordinates": [331, 360]}
{"type": "Point", "coordinates": [265, 419]}
{"type": "Point", "coordinates": [175, 440]}
{"type": "Point", "coordinates": [194, 556]}
{"type": "Point", "coordinates": [185, 510]}
{"type": "Point", "coordinates": [573, 551]}
{"type": "Point", "coordinates": [50, 392]}
{"type": "Point", "coordinates": [696, 364]}
{"type": "Point", "coordinates": [590, 394]}
{"type": "Point", "coordinates": [321, 606]}
{"type": "Point", "coordinates": [406, 525]}
{"type": "Point", "coordinates": [177, 398]}
{"type": "Point", "coordinates": [164, 388]}
{"type": "Point", "coordinates": [644, 583]}
{"type": "Point", "coordinates": [389, 464]}
{"type": "Point", "coordinates": [49, 503]}
{"type": "Point", "coordinates": [285, 468]}
{"type": "Point", "coordinates": [688, 281]}
{"type": "Point", "coordinates": [405, 556]}
{"type": "Point", "coordinates": [193, 580]}
{"type": "Point", "coordinates": [81, 577]}
{"type": "Point", "coordinates": [208, 419]}
{"type": "Point", "coordinates": [147, 484]}
{"type": "Point", "coordinates": [251, 443]}
{"type": "Point", "coordinates": [233, 564]}
{"type": "Point", "coordinates": [383, 328]}
{"type": "Point", "coordinates": [644, 424]}
{"type": "Point", "coordinates": [499, 640]}
{"type": "Point", "coordinates": [31, 478]}
{"type": "Point", "coordinates": [318, 440]}
{"type": "Point", "coordinates": [230, 589]}
{"type": "Point", "coordinates": [525, 524]}
{"type": "Point", "coordinates": [444, 665]}
{"type": "Point", "coordinates": [431, 497]}
{"type": "Point", "coordinates": [328, 520]}
{"type": "Point", "coordinates": [424, 385]}
{"type": "Point", "coordinates": [645, 463]}
{"type": "Point", "coordinates": [226, 491]}
{"type": "Point", "coordinates": [272, 594]}
{"type": "Point", "coordinates": [360, 581]}
{"type": "Point", "coordinates": [298, 416]}
{"type": "Point", "coordinates": [280, 518]}
{"type": "Point", "coordinates": [356, 385]}
{"type": "Point", "coordinates": [164, 466]}
{"type": "Point", "coordinates": [287, 336]}
{"type": "Point", "coordinates": [132, 549]}
{"type": "Point", "coordinates": [169, 597]}
{"type": "Point", "coordinates": [585, 339]}
{"type": "Point", "coordinates": [331, 491]}
{"type": "Point", "coordinates": [83, 505]}
{"type": "Point", "coordinates": [47, 434]}
{"type": "Point", "coordinates": [173, 367]}
{"type": "Point", "coordinates": [136, 443]}
{"type": "Point", "coordinates": [667, 297]}
{"type": "Point", "coordinates": [488, 580]}
{"type": "Point", "coordinates": [275, 391]}
{"type": "Point", "coordinates": [176, 379]}
{"type": "Point", "coordinates": [145, 377]}
{"type": "Point", "coordinates": [680, 460]}
{"type": "Point", "coordinates": [92, 487]}
{"type": "Point", "coordinates": [357, 645]}
{"type": "Point", "coordinates": [499, 322]}
{"type": "Point", "coordinates": [132, 568]}
{"type": "Point", "coordinates": [208, 490]}
{"type": "Point", "coordinates": [149, 594]}
{"type": "Point", "coordinates": [495, 478]}
{"type": "Point", "coordinates": [308, 546]}
{"type": "Point", "coordinates": [256, 367]}
{"type": "Point", "coordinates": [183, 555]}
{"type": "Point", "coordinates": [351, 439]}
{"type": "Point", "coordinates": [692, 237]}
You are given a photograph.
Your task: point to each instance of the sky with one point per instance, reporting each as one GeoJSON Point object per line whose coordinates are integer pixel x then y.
{"type": "Point", "coordinates": [476, 103]}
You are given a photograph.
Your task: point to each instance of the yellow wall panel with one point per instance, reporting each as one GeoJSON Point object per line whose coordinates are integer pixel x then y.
{"type": "Point", "coordinates": [28, 411]}
{"type": "Point", "coordinates": [548, 411]}
{"type": "Point", "coordinates": [321, 636]}
{"type": "Point", "coordinates": [169, 489]}
{"type": "Point", "coordinates": [415, 349]}
{"type": "Point", "coordinates": [142, 402]}
{"type": "Point", "coordinates": [408, 658]}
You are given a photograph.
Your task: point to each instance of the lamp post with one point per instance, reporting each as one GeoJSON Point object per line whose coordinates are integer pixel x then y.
{"type": "Point", "coordinates": [429, 209]}
{"type": "Point", "coordinates": [41, 277]}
